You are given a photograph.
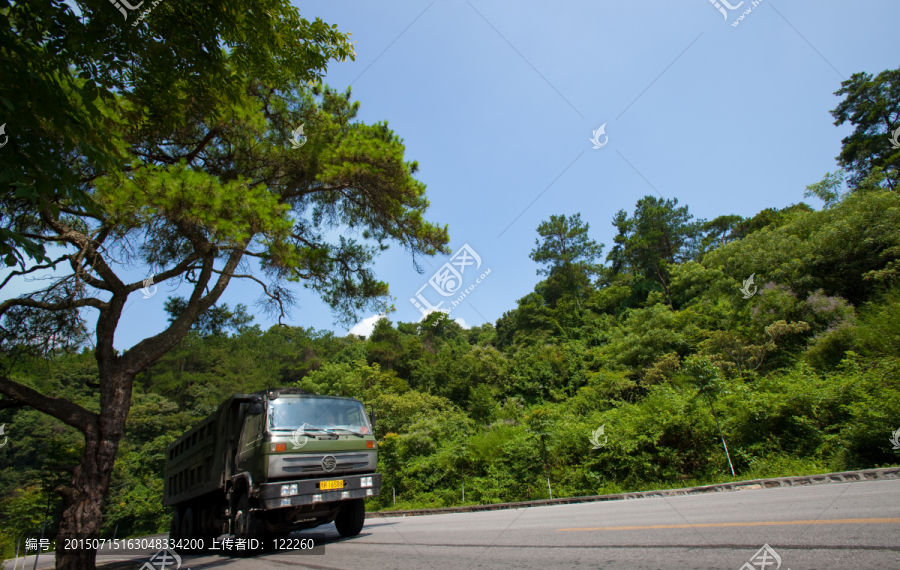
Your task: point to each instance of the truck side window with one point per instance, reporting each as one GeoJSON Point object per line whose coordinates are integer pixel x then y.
{"type": "Point", "coordinates": [252, 429]}
{"type": "Point", "coordinates": [250, 432]}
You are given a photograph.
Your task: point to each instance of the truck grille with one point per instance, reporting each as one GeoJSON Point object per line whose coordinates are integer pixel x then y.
{"type": "Point", "coordinates": [313, 463]}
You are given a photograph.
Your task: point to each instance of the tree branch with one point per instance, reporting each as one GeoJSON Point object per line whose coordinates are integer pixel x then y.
{"type": "Point", "coordinates": [183, 266]}
{"type": "Point", "coordinates": [33, 269]}
{"type": "Point", "coordinates": [150, 349]}
{"type": "Point", "coordinates": [209, 136]}
{"type": "Point", "coordinates": [63, 410]}
{"type": "Point", "coordinates": [91, 255]}
{"type": "Point", "coordinates": [63, 306]}
{"type": "Point", "coordinates": [275, 297]}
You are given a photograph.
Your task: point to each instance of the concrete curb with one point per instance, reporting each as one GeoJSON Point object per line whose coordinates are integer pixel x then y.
{"type": "Point", "coordinates": [842, 477]}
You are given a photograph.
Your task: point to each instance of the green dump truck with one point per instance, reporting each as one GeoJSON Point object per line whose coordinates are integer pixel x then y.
{"type": "Point", "coordinates": [270, 463]}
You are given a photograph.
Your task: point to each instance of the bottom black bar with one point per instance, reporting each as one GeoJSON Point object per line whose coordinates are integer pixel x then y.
{"type": "Point", "coordinates": [160, 548]}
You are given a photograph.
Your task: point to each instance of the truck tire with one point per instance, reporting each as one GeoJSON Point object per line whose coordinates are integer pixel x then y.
{"type": "Point", "coordinates": [175, 526]}
{"type": "Point", "coordinates": [248, 524]}
{"type": "Point", "coordinates": [351, 518]}
{"type": "Point", "coordinates": [188, 525]}
{"type": "Point", "coordinates": [190, 532]}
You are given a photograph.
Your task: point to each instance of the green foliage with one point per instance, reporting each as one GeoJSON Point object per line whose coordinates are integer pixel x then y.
{"type": "Point", "coordinates": [872, 106]}
{"type": "Point", "coordinates": [67, 93]}
{"type": "Point", "coordinates": [828, 189]}
{"type": "Point", "coordinates": [356, 380]}
{"type": "Point", "coordinates": [847, 250]}
{"type": "Point", "coordinates": [802, 377]}
{"type": "Point", "coordinates": [569, 256]}
{"type": "Point", "coordinates": [23, 515]}
{"type": "Point", "coordinates": [879, 329]}
{"type": "Point", "coordinates": [215, 320]}
{"type": "Point", "coordinates": [658, 236]}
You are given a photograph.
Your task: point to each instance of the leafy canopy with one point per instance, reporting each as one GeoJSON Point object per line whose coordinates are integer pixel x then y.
{"type": "Point", "coordinates": [872, 106]}
{"type": "Point", "coordinates": [567, 253]}
{"type": "Point", "coordinates": [74, 73]}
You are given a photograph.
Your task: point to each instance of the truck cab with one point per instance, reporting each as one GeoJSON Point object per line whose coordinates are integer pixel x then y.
{"type": "Point", "coordinates": [270, 463]}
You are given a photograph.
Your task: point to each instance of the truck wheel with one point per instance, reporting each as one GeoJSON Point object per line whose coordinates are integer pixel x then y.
{"type": "Point", "coordinates": [351, 518]}
{"type": "Point", "coordinates": [247, 524]}
{"type": "Point", "coordinates": [175, 526]}
{"type": "Point", "coordinates": [188, 525]}
{"type": "Point", "coordinates": [189, 530]}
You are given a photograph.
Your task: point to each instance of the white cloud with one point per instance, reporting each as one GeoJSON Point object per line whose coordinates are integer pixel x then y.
{"type": "Point", "coordinates": [365, 326]}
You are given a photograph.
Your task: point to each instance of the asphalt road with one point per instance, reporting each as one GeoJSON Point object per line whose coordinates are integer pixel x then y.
{"type": "Point", "coordinates": [822, 527]}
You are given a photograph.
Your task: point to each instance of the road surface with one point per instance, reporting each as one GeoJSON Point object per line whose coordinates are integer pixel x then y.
{"type": "Point", "coordinates": [822, 527]}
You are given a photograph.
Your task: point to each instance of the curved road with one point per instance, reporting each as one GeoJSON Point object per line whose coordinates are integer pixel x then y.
{"type": "Point", "coordinates": [837, 526]}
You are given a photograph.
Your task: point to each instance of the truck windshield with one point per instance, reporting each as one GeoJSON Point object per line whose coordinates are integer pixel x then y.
{"type": "Point", "coordinates": [288, 413]}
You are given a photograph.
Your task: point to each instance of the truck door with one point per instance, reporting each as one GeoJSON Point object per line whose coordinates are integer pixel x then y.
{"type": "Point", "coordinates": [249, 449]}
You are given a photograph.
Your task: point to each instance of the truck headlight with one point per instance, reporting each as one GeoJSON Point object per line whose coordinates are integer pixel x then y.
{"type": "Point", "coordinates": [288, 490]}
{"type": "Point", "coordinates": [365, 482]}
{"type": "Point", "coordinates": [317, 498]}
{"type": "Point", "coordinates": [285, 502]}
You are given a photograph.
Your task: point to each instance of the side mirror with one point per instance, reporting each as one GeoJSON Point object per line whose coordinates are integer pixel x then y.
{"type": "Point", "coordinates": [255, 408]}
{"type": "Point", "coordinates": [372, 417]}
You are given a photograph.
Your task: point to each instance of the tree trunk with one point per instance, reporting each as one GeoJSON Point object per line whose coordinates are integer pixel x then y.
{"type": "Point", "coordinates": [666, 287]}
{"type": "Point", "coordinates": [84, 499]}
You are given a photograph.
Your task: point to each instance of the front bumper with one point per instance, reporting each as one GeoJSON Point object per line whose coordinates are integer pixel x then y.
{"type": "Point", "coordinates": [308, 491]}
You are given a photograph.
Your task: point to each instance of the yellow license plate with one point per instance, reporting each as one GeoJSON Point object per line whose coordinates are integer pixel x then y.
{"type": "Point", "coordinates": [331, 484]}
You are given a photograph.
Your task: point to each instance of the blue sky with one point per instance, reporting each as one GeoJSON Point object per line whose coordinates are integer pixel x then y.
{"type": "Point", "coordinates": [497, 100]}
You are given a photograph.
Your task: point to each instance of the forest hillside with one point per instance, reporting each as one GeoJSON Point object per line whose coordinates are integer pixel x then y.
{"type": "Point", "coordinates": [665, 343]}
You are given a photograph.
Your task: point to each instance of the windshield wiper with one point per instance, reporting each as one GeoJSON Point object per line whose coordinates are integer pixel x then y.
{"type": "Point", "coordinates": [349, 431]}
{"type": "Point", "coordinates": [303, 431]}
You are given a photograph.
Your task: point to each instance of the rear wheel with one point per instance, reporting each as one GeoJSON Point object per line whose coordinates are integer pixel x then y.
{"type": "Point", "coordinates": [175, 526]}
{"type": "Point", "coordinates": [188, 525]}
{"type": "Point", "coordinates": [189, 530]}
{"type": "Point", "coordinates": [351, 518]}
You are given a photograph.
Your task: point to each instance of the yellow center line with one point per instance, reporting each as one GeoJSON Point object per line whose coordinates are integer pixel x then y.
{"type": "Point", "coordinates": [718, 525]}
